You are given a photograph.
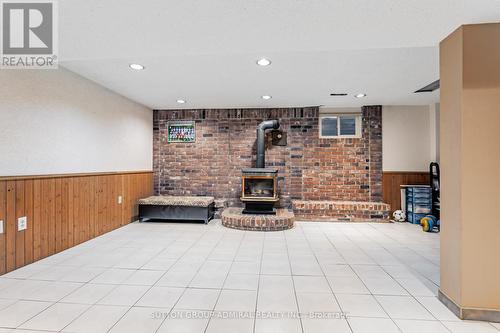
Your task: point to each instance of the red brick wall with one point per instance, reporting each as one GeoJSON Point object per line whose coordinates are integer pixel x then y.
{"type": "Point", "coordinates": [310, 168]}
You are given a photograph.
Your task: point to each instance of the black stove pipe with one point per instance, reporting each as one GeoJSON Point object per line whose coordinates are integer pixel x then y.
{"type": "Point", "coordinates": [261, 145]}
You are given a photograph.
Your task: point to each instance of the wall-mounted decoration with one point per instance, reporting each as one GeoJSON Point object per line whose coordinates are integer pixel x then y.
{"type": "Point", "coordinates": [181, 131]}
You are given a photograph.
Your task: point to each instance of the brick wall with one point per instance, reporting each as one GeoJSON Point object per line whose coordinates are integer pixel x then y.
{"type": "Point", "coordinates": [310, 168]}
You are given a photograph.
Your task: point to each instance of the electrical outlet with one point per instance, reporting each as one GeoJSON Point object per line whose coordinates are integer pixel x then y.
{"type": "Point", "coordinates": [120, 199]}
{"type": "Point", "coordinates": [1, 226]}
{"type": "Point", "coordinates": [22, 223]}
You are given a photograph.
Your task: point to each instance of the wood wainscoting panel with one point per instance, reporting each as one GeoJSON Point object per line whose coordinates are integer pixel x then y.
{"type": "Point", "coordinates": [3, 214]}
{"type": "Point", "coordinates": [392, 181]}
{"type": "Point", "coordinates": [10, 226]}
{"type": "Point", "coordinates": [64, 210]}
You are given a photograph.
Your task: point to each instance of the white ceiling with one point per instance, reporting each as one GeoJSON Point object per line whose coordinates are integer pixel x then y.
{"type": "Point", "coordinates": [205, 51]}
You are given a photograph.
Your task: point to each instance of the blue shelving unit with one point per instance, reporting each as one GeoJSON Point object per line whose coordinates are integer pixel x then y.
{"type": "Point", "coordinates": [418, 202]}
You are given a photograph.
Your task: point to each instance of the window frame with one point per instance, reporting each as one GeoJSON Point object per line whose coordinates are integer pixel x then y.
{"type": "Point", "coordinates": [357, 120]}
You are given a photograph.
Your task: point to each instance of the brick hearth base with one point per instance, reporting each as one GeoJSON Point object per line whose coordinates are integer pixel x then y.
{"type": "Point", "coordinates": [350, 211]}
{"type": "Point", "coordinates": [233, 218]}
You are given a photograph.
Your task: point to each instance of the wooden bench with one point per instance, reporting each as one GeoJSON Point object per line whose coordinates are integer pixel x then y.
{"type": "Point", "coordinates": [176, 208]}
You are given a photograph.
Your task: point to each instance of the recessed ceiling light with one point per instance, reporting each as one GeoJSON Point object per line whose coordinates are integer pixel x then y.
{"type": "Point", "coordinates": [266, 97]}
{"type": "Point", "coordinates": [137, 67]}
{"type": "Point", "coordinates": [181, 101]}
{"type": "Point", "coordinates": [360, 95]}
{"type": "Point", "coordinates": [263, 62]}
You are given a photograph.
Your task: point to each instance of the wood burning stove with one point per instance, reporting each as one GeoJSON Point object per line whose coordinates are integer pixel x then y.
{"type": "Point", "coordinates": [259, 185]}
{"type": "Point", "coordinates": [259, 190]}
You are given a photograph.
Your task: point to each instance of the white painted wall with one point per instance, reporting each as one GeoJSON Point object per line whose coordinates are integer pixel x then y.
{"type": "Point", "coordinates": [55, 121]}
{"type": "Point", "coordinates": [409, 137]}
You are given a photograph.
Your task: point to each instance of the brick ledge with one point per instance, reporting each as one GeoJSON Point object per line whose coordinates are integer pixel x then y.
{"type": "Point", "coordinates": [234, 218]}
{"type": "Point", "coordinates": [340, 211]}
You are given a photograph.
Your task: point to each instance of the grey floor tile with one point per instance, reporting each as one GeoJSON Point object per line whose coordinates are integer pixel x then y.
{"type": "Point", "coordinates": [220, 325]}
{"type": "Point", "coordinates": [404, 307]}
{"type": "Point", "coordinates": [278, 326]}
{"type": "Point", "coordinates": [421, 326]}
{"type": "Point", "coordinates": [198, 299]}
{"type": "Point", "coordinates": [89, 293]}
{"type": "Point", "coordinates": [161, 297]}
{"type": "Point", "coordinates": [97, 319]}
{"type": "Point", "coordinates": [237, 300]}
{"type": "Point", "coordinates": [56, 317]}
{"type": "Point", "coordinates": [124, 295]}
{"type": "Point", "coordinates": [20, 312]}
{"type": "Point", "coordinates": [347, 285]}
{"type": "Point", "coordinates": [325, 326]}
{"type": "Point", "coordinates": [317, 302]}
{"type": "Point", "coordinates": [185, 323]}
{"type": "Point", "coordinates": [360, 305]}
{"type": "Point", "coordinates": [148, 266]}
{"type": "Point", "coordinates": [139, 320]}
{"type": "Point", "coordinates": [311, 284]}
{"type": "Point", "coordinates": [370, 325]}
{"type": "Point", "coordinates": [242, 281]}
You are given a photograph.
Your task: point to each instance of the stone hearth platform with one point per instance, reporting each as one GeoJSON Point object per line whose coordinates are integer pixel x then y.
{"type": "Point", "coordinates": [341, 211]}
{"type": "Point", "coordinates": [234, 218]}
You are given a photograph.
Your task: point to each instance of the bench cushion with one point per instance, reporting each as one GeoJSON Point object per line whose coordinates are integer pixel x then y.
{"type": "Point", "coordinates": [163, 200]}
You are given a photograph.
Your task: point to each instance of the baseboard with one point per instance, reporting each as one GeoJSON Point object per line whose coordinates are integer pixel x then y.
{"type": "Point", "coordinates": [469, 313]}
{"type": "Point", "coordinates": [449, 304]}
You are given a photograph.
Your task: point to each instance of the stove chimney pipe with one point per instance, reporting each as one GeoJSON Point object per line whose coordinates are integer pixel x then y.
{"type": "Point", "coordinates": [261, 145]}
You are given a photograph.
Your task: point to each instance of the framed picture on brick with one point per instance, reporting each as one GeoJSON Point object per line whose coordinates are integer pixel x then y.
{"type": "Point", "coordinates": [181, 132]}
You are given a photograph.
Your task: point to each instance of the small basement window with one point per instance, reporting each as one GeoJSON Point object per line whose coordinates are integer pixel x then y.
{"type": "Point", "coordinates": [340, 126]}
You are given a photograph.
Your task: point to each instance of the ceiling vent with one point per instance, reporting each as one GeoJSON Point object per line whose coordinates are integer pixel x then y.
{"type": "Point", "coordinates": [429, 88]}
{"type": "Point", "coordinates": [338, 94]}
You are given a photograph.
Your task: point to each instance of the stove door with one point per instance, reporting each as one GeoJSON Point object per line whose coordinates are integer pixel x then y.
{"type": "Point", "coordinates": [258, 187]}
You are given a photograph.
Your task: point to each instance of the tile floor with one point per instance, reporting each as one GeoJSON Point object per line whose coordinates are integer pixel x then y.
{"type": "Point", "coordinates": [155, 277]}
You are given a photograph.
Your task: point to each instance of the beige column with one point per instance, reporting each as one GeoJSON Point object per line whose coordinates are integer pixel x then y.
{"type": "Point", "coordinates": [470, 171]}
